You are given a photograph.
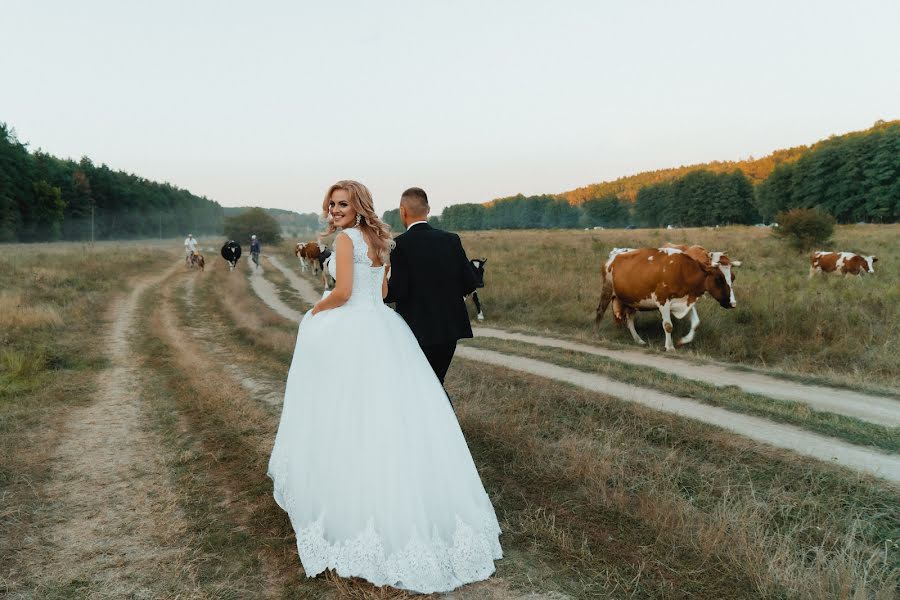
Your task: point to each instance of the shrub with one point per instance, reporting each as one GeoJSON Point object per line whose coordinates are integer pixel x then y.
{"type": "Point", "coordinates": [804, 228]}
{"type": "Point", "coordinates": [254, 221]}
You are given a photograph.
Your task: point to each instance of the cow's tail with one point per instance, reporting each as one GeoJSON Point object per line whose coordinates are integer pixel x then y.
{"type": "Point", "coordinates": [606, 295]}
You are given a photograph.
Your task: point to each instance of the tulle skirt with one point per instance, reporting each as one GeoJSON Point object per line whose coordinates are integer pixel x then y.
{"type": "Point", "coordinates": [370, 463]}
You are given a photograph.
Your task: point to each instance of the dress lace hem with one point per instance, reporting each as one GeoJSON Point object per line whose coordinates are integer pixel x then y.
{"type": "Point", "coordinates": [424, 565]}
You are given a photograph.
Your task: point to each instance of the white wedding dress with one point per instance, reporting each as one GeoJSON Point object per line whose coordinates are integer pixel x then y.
{"type": "Point", "coordinates": [369, 460]}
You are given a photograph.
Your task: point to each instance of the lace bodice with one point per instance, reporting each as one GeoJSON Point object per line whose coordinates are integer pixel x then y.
{"type": "Point", "coordinates": [366, 278]}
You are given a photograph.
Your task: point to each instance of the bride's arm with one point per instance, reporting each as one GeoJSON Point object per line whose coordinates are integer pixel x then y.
{"type": "Point", "coordinates": [343, 286]}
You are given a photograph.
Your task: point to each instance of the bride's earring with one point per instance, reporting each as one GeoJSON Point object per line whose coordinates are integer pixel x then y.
{"type": "Point", "coordinates": [358, 218]}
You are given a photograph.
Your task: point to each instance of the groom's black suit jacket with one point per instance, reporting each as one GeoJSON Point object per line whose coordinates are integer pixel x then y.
{"type": "Point", "coordinates": [430, 274]}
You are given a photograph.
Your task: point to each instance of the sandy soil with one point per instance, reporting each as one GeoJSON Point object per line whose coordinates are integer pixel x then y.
{"type": "Point", "coordinates": [866, 407]}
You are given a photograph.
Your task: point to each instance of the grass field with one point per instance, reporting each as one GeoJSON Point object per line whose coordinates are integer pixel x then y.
{"type": "Point", "coordinates": [842, 329]}
{"type": "Point", "coordinates": [53, 304]}
{"type": "Point", "coordinates": [598, 498]}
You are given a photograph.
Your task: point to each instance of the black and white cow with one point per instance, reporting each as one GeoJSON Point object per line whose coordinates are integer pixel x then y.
{"type": "Point", "coordinates": [324, 258]}
{"type": "Point", "coordinates": [478, 269]}
{"type": "Point", "coordinates": [231, 252]}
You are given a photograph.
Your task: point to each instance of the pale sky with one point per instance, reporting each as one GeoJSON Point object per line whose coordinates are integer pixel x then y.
{"type": "Point", "coordinates": [268, 103]}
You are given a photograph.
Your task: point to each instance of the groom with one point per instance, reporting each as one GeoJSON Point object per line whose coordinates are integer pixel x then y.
{"type": "Point", "coordinates": [430, 274]}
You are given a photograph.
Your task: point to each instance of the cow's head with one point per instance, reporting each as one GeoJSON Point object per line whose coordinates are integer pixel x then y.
{"type": "Point", "coordinates": [720, 284]}
{"type": "Point", "coordinates": [478, 267]}
{"type": "Point", "coordinates": [299, 248]}
{"type": "Point", "coordinates": [726, 265]}
{"type": "Point", "coordinates": [870, 263]}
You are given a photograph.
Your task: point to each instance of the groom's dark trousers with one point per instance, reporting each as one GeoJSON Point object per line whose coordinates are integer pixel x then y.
{"type": "Point", "coordinates": [430, 275]}
{"type": "Point", "coordinates": [439, 357]}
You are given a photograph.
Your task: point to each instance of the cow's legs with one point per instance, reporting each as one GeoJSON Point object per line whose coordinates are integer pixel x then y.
{"type": "Point", "coordinates": [606, 295]}
{"type": "Point", "coordinates": [324, 278]}
{"type": "Point", "coordinates": [812, 271]}
{"type": "Point", "coordinates": [303, 265]}
{"type": "Point", "coordinates": [629, 320]}
{"type": "Point", "coordinates": [666, 311]}
{"type": "Point", "coordinates": [480, 316]}
{"type": "Point", "coordinates": [695, 322]}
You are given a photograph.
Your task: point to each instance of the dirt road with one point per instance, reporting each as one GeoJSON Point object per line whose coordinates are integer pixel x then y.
{"type": "Point", "coordinates": [866, 407]}
{"type": "Point", "coordinates": [755, 428]}
{"type": "Point", "coordinates": [268, 293]}
{"type": "Point", "coordinates": [111, 526]}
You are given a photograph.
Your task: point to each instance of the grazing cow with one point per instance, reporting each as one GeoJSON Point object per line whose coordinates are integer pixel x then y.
{"type": "Point", "coordinates": [478, 268]}
{"type": "Point", "coordinates": [231, 252]}
{"type": "Point", "coordinates": [664, 279]}
{"type": "Point", "coordinates": [842, 263]}
{"type": "Point", "coordinates": [197, 259]}
{"type": "Point", "coordinates": [308, 253]}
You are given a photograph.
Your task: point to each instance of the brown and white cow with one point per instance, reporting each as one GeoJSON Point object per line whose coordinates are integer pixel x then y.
{"type": "Point", "coordinates": [842, 263]}
{"type": "Point", "coordinates": [308, 253]}
{"type": "Point", "coordinates": [663, 279]}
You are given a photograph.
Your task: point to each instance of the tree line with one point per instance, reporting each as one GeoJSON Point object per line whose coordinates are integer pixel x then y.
{"type": "Point", "coordinates": [853, 177]}
{"type": "Point", "coordinates": [43, 198]}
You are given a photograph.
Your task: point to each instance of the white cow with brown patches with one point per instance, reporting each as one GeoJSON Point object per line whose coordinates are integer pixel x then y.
{"type": "Point", "coordinates": [663, 279]}
{"type": "Point", "coordinates": [841, 263]}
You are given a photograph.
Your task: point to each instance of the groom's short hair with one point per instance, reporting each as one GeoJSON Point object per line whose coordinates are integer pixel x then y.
{"type": "Point", "coordinates": [415, 200]}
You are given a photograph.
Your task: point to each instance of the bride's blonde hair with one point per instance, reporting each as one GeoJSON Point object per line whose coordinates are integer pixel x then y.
{"type": "Point", "coordinates": [376, 231]}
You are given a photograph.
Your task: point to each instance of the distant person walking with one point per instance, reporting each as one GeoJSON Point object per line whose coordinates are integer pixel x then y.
{"type": "Point", "coordinates": [190, 245]}
{"type": "Point", "coordinates": [254, 250]}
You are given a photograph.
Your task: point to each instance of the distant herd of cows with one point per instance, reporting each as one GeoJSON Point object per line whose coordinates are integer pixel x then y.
{"type": "Point", "coordinates": [669, 279]}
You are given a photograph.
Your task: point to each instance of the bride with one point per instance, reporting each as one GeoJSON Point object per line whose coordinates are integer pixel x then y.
{"type": "Point", "coordinates": [369, 461]}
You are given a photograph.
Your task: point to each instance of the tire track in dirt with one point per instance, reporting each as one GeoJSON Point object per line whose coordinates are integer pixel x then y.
{"type": "Point", "coordinates": [268, 293]}
{"type": "Point", "coordinates": [111, 526]}
{"type": "Point", "coordinates": [866, 407]}
{"type": "Point", "coordinates": [268, 390]}
{"type": "Point", "coordinates": [756, 428]}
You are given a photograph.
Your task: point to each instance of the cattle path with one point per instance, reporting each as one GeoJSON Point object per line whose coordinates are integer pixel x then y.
{"type": "Point", "coordinates": [268, 293]}
{"type": "Point", "coordinates": [269, 391]}
{"type": "Point", "coordinates": [866, 407]}
{"type": "Point", "coordinates": [302, 285]}
{"type": "Point", "coordinates": [113, 523]}
{"type": "Point", "coordinates": [756, 428]}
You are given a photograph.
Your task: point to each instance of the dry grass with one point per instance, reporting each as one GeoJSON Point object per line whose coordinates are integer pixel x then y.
{"type": "Point", "coordinates": [220, 434]}
{"type": "Point", "coordinates": [16, 313]}
{"type": "Point", "coordinates": [286, 291]}
{"type": "Point", "coordinates": [627, 502]}
{"type": "Point", "coordinates": [733, 398]}
{"type": "Point", "coordinates": [842, 329]}
{"type": "Point", "coordinates": [54, 299]}
{"type": "Point", "coordinates": [255, 323]}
